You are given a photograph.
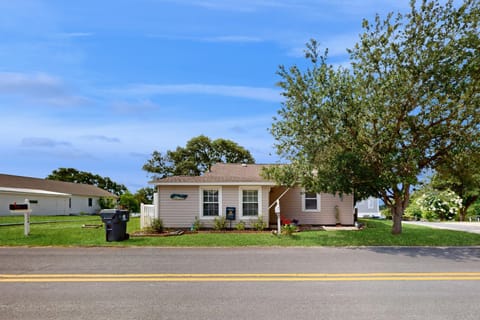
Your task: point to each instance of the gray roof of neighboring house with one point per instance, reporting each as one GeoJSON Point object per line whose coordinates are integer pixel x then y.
{"type": "Point", "coordinates": [78, 189]}
{"type": "Point", "coordinates": [222, 174]}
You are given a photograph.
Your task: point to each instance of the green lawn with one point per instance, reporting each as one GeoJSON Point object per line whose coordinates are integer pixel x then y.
{"type": "Point", "coordinates": [68, 231]}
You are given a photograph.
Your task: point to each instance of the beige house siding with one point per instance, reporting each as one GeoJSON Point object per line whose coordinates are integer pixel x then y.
{"type": "Point", "coordinates": [182, 213]}
{"type": "Point", "coordinates": [291, 208]}
{"type": "Point", "coordinates": [178, 213]}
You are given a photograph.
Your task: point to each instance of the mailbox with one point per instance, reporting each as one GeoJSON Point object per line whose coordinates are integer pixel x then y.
{"type": "Point", "coordinates": [230, 213]}
{"type": "Point", "coordinates": [18, 207]}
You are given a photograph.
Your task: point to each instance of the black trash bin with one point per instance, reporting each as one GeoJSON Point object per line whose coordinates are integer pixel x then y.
{"type": "Point", "coordinates": [115, 224]}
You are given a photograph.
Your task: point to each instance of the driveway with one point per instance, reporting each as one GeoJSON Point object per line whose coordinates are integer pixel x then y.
{"type": "Point", "coordinates": [472, 227]}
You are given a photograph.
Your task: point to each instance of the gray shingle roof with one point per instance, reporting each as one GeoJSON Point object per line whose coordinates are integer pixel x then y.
{"type": "Point", "coordinates": [223, 173]}
{"type": "Point", "coordinates": [10, 181]}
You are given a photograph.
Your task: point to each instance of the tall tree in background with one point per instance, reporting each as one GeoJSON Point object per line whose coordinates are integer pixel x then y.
{"type": "Point", "coordinates": [196, 157]}
{"type": "Point", "coordinates": [75, 176]}
{"type": "Point", "coordinates": [410, 101]}
{"type": "Point", "coordinates": [461, 174]}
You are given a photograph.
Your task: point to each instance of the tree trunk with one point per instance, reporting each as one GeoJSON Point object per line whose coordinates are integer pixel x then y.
{"type": "Point", "coordinates": [462, 213]}
{"type": "Point", "coordinates": [397, 214]}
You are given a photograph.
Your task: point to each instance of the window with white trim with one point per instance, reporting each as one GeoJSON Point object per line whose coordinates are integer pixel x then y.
{"type": "Point", "coordinates": [310, 201]}
{"type": "Point", "coordinates": [250, 202]}
{"type": "Point", "coordinates": [210, 202]}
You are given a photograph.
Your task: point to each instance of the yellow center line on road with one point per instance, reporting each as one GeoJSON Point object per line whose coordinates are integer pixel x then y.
{"type": "Point", "coordinates": [240, 277]}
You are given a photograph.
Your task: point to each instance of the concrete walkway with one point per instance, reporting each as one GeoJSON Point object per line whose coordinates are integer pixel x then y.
{"type": "Point", "coordinates": [473, 227]}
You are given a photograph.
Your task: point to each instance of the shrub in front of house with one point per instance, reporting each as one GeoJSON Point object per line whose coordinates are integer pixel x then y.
{"type": "Point", "coordinates": [220, 223]}
{"type": "Point", "coordinates": [259, 224]}
{"type": "Point", "coordinates": [289, 229]}
{"type": "Point", "coordinates": [240, 226]}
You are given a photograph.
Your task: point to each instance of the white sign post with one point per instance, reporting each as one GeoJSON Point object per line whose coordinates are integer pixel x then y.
{"type": "Point", "coordinates": [25, 209]}
{"type": "Point", "coordinates": [279, 224]}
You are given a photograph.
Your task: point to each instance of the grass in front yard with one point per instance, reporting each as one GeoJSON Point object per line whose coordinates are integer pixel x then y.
{"type": "Point", "coordinates": [68, 231]}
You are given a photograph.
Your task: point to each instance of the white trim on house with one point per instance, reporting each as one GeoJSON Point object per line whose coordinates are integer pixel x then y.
{"type": "Point", "coordinates": [33, 191]}
{"type": "Point", "coordinates": [240, 201]}
{"type": "Point", "coordinates": [304, 206]}
{"type": "Point", "coordinates": [220, 202]}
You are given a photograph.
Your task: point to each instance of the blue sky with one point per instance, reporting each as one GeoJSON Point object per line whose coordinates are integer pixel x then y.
{"type": "Point", "coordinates": [99, 85]}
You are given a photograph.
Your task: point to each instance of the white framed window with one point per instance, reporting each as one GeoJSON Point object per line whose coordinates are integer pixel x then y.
{"type": "Point", "coordinates": [250, 199]}
{"type": "Point", "coordinates": [210, 202]}
{"type": "Point", "coordinates": [310, 201]}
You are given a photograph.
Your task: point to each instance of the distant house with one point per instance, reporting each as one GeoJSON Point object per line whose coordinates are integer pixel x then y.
{"type": "Point", "coordinates": [368, 208]}
{"type": "Point", "coordinates": [241, 189]}
{"type": "Point", "coordinates": [49, 197]}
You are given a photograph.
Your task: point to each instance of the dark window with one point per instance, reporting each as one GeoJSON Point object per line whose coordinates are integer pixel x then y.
{"type": "Point", "coordinates": [210, 203]}
{"type": "Point", "coordinates": [90, 202]}
{"type": "Point", "coordinates": [250, 202]}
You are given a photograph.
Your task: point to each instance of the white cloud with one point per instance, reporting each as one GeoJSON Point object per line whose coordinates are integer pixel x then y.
{"type": "Point", "coordinates": [101, 138]}
{"type": "Point", "coordinates": [38, 87]}
{"type": "Point", "coordinates": [68, 35]}
{"type": "Point", "coordinates": [43, 142]}
{"type": "Point", "coordinates": [255, 93]}
{"type": "Point", "coordinates": [29, 84]}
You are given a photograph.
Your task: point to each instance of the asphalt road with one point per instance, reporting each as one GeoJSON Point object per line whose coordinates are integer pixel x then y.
{"type": "Point", "coordinates": [243, 283]}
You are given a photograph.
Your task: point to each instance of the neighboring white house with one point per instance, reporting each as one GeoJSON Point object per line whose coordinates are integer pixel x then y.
{"type": "Point", "coordinates": [49, 197]}
{"type": "Point", "coordinates": [241, 190]}
{"type": "Point", "coordinates": [368, 208]}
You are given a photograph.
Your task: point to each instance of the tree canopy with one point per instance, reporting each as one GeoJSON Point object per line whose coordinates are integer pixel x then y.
{"type": "Point", "coordinates": [199, 154]}
{"type": "Point", "coordinates": [76, 176]}
{"type": "Point", "coordinates": [409, 102]}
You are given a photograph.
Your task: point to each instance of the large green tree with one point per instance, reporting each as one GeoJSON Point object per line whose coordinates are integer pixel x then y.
{"type": "Point", "coordinates": [409, 101]}
{"type": "Point", "coordinates": [199, 154]}
{"type": "Point", "coordinates": [461, 174]}
{"type": "Point", "coordinates": [76, 176]}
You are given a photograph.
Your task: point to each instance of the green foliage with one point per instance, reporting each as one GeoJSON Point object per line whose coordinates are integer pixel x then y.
{"type": "Point", "coordinates": [259, 224]}
{"type": "Point", "coordinates": [129, 201]}
{"type": "Point", "coordinates": [387, 213]}
{"type": "Point", "coordinates": [289, 229]}
{"type": "Point", "coordinates": [157, 225]}
{"type": "Point", "coordinates": [409, 102]}
{"type": "Point", "coordinates": [461, 174]}
{"type": "Point", "coordinates": [145, 195]}
{"type": "Point", "coordinates": [240, 226]}
{"type": "Point", "coordinates": [197, 225]}
{"type": "Point", "coordinates": [439, 205]}
{"type": "Point", "coordinates": [75, 176]}
{"type": "Point", "coordinates": [107, 202]}
{"type": "Point", "coordinates": [220, 223]}
{"type": "Point", "coordinates": [414, 211]}
{"type": "Point", "coordinates": [196, 157]}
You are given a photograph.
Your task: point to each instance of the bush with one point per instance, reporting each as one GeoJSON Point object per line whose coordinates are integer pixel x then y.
{"type": "Point", "coordinates": [107, 202]}
{"type": "Point", "coordinates": [220, 223]}
{"type": "Point", "coordinates": [289, 229]}
{"type": "Point", "coordinates": [240, 226]}
{"type": "Point", "coordinates": [387, 213]}
{"type": "Point", "coordinates": [196, 225]}
{"type": "Point", "coordinates": [259, 224]}
{"type": "Point", "coordinates": [443, 205]}
{"type": "Point", "coordinates": [157, 225]}
{"type": "Point", "coordinates": [413, 211]}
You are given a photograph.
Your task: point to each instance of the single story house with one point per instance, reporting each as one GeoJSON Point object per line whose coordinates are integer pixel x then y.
{"type": "Point", "coordinates": [368, 208]}
{"type": "Point", "coordinates": [241, 189]}
{"type": "Point", "coordinates": [49, 197]}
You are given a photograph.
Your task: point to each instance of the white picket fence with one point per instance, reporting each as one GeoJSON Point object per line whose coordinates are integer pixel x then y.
{"type": "Point", "coordinates": [147, 215]}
